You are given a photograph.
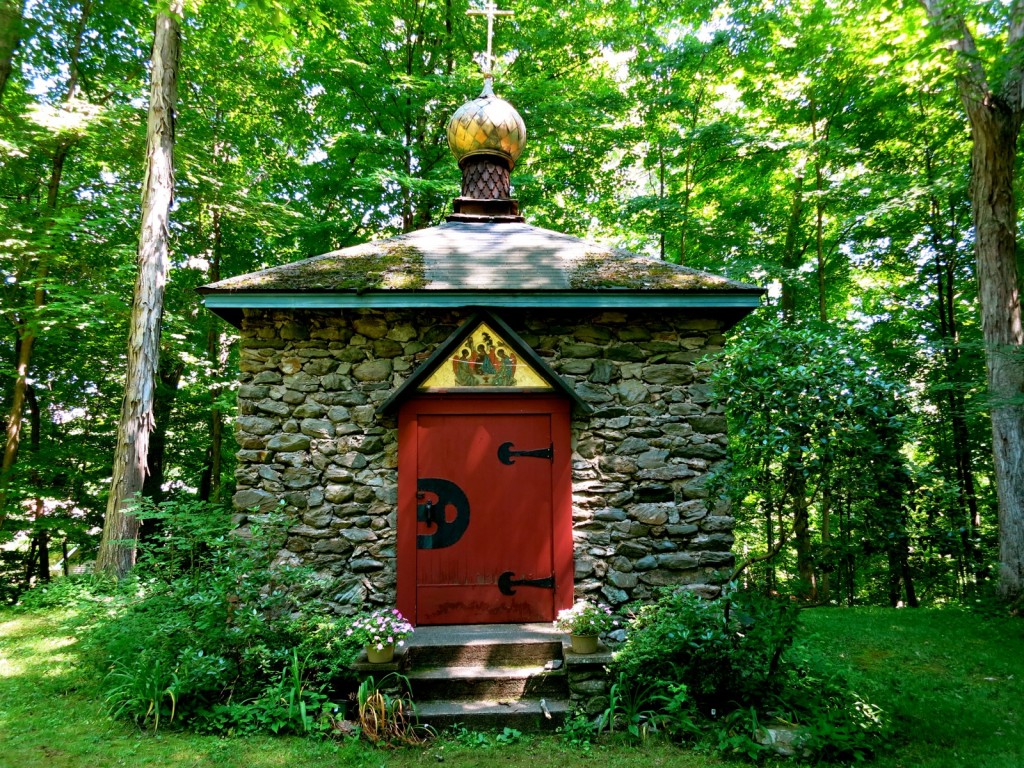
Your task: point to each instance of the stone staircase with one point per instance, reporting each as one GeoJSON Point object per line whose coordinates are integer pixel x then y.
{"type": "Point", "coordinates": [485, 676]}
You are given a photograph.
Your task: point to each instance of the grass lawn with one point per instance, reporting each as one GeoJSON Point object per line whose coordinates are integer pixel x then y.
{"type": "Point", "coordinates": [951, 682]}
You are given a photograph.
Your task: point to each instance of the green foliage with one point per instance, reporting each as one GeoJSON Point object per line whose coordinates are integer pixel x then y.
{"type": "Point", "coordinates": [816, 439]}
{"type": "Point", "coordinates": [633, 708]}
{"type": "Point", "coordinates": [71, 592]}
{"type": "Point", "coordinates": [721, 673]}
{"type": "Point", "coordinates": [482, 739]}
{"type": "Point", "coordinates": [725, 652]}
{"type": "Point", "coordinates": [815, 148]}
{"type": "Point", "coordinates": [578, 732]}
{"type": "Point", "coordinates": [142, 689]}
{"type": "Point", "coordinates": [208, 629]}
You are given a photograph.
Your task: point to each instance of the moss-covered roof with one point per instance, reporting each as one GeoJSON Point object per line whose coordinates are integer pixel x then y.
{"type": "Point", "coordinates": [479, 258]}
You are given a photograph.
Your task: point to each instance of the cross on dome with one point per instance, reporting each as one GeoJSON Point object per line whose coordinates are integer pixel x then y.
{"type": "Point", "coordinates": [490, 10]}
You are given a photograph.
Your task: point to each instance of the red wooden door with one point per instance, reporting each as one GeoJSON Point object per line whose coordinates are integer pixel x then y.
{"type": "Point", "coordinates": [486, 494]}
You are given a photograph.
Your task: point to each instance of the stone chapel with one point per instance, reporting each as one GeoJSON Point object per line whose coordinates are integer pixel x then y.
{"type": "Point", "coordinates": [481, 420]}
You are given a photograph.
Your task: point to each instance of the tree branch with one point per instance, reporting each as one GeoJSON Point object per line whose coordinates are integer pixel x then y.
{"type": "Point", "coordinates": [783, 538]}
{"type": "Point", "coordinates": [970, 75]}
{"type": "Point", "coordinates": [1013, 85]}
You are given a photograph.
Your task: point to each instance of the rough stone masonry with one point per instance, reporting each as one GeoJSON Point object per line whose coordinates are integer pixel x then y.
{"type": "Point", "coordinates": [312, 444]}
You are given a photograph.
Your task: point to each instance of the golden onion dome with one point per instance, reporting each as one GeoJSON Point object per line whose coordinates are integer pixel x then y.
{"type": "Point", "coordinates": [487, 125]}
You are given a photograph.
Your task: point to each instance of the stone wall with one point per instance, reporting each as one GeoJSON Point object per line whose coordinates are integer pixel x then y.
{"type": "Point", "coordinates": [311, 442]}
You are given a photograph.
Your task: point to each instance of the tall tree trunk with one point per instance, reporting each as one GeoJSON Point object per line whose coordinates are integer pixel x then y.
{"type": "Point", "coordinates": [11, 16]}
{"type": "Point", "coordinates": [995, 220]}
{"type": "Point", "coordinates": [120, 528]}
{"type": "Point", "coordinates": [791, 256]}
{"type": "Point", "coordinates": [168, 378]}
{"type": "Point", "coordinates": [796, 487]}
{"type": "Point", "coordinates": [42, 533]}
{"type": "Point", "coordinates": [662, 226]}
{"type": "Point", "coordinates": [995, 113]}
{"type": "Point", "coordinates": [825, 581]}
{"type": "Point", "coordinates": [213, 351]}
{"type": "Point", "coordinates": [819, 209]}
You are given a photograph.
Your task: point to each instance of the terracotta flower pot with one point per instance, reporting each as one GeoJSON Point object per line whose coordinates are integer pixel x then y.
{"type": "Point", "coordinates": [584, 643]}
{"type": "Point", "coordinates": [382, 656]}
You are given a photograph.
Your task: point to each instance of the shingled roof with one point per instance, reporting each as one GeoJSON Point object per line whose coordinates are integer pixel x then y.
{"type": "Point", "coordinates": [478, 264]}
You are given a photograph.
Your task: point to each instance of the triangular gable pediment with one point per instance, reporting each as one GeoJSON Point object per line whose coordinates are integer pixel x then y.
{"type": "Point", "coordinates": [483, 360]}
{"type": "Point", "coordinates": [484, 356]}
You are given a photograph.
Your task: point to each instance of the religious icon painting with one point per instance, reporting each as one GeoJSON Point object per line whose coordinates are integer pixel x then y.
{"type": "Point", "coordinates": [484, 359]}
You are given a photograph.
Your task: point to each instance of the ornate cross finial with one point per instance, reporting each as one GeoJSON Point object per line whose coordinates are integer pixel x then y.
{"type": "Point", "coordinates": [490, 10]}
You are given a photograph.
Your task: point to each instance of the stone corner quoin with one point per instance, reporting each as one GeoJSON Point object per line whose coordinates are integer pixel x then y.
{"type": "Point", "coordinates": [312, 445]}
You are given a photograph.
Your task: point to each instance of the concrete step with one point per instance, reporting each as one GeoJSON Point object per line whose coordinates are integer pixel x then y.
{"type": "Point", "coordinates": [484, 676]}
{"type": "Point", "coordinates": [493, 645]}
{"type": "Point", "coordinates": [464, 683]}
{"type": "Point", "coordinates": [525, 715]}
{"type": "Point", "coordinates": [489, 654]}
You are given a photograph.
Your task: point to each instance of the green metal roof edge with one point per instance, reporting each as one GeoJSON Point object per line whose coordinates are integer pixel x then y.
{"type": "Point", "coordinates": [626, 299]}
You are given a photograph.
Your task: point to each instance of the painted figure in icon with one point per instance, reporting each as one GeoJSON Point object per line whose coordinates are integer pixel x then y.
{"type": "Point", "coordinates": [506, 375]}
{"type": "Point", "coordinates": [463, 366]}
{"type": "Point", "coordinates": [484, 364]}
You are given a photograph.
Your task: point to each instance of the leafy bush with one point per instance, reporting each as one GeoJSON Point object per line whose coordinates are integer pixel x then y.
{"type": "Point", "coordinates": [208, 631]}
{"type": "Point", "coordinates": [723, 671]}
{"type": "Point", "coordinates": [726, 652]}
{"type": "Point", "coordinates": [67, 592]}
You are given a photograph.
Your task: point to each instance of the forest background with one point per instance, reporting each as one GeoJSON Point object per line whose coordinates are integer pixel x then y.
{"type": "Point", "coordinates": [817, 147]}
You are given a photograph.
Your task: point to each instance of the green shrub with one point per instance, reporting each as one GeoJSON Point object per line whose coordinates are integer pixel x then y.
{"type": "Point", "coordinates": [67, 592]}
{"type": "Point", "coordinates": [723, 671]}
{"type": "Point", "coordinates": [726, 652]}
{"type": "Point", "coordinates": [208, 629]}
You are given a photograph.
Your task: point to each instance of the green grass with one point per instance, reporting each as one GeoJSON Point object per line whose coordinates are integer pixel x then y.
{"type": "Point", "coordinates": [951, 682]}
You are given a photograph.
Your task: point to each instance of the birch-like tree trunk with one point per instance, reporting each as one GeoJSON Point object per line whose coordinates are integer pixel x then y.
{"type": "Point", "coordinates": [995, 111]}
{"type": "Point", "coordinates": [121, 528]}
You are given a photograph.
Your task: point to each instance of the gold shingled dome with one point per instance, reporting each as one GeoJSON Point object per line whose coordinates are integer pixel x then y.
{"type": "Point", "coordinates": [487, 125]}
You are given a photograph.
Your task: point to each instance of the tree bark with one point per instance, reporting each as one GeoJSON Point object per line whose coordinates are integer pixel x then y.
{"type": "Point", "coordinates": [995, 113]}
{"type": "Point", "coordinates": [995, 134]}
{"type": "Point", "coordinates": [796, 488]}
{"type": "Point", "coordinates": [120, 529]}
{"type": "Point", "coordinates": [213, 350]}
{"type": "Point", "coordinates": [11, 17]}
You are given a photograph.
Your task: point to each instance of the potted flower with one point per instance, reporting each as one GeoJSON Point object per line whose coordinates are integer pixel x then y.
{"type": "Point", "coordinates": [379, 632]}
{"type": "Point", "coordinates": [584, 622]}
